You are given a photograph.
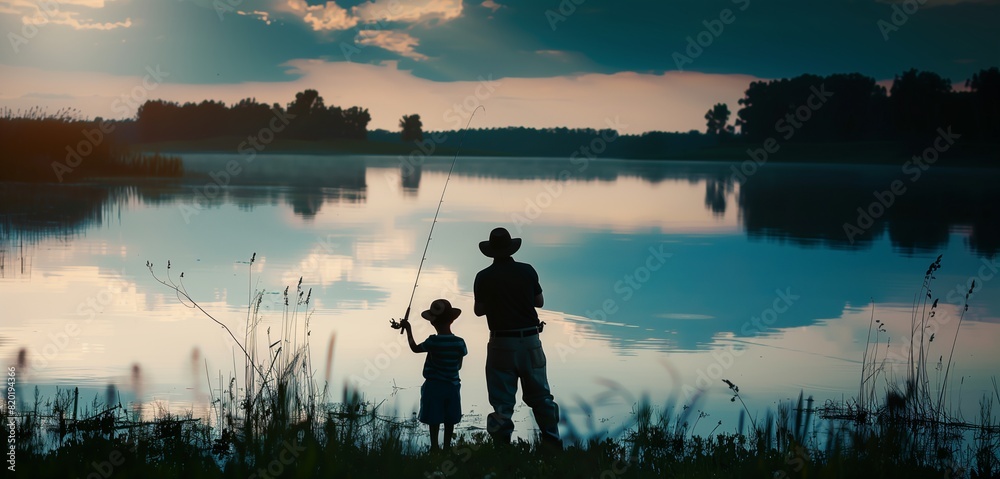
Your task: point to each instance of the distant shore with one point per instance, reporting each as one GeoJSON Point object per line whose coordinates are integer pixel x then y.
{"type": "Point", "coordinates": [979, 154]}
{"type": "Point", "coordinates": [309, 147]}
{"type": "Point", "coordinates": [874, 152]}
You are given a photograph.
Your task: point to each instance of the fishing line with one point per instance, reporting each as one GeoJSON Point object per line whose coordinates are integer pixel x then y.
{"type": "Point", "coordinates": [406, 317]}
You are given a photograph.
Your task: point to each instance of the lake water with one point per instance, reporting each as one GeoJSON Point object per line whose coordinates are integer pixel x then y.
{"type": "Point", "coordinates": [659, 278]}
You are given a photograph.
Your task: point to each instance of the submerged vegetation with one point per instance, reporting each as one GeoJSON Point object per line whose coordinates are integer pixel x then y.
{"type": "Point", "coordinates": [274, 419]}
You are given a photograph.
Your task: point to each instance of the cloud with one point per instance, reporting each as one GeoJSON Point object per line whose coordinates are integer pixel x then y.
{"type": "Point", "coordinates": [261, 15]}
{"type": "Point", "coordinates": [70, 19]}
{"type": "Point", "coordinates": [673, 101]}
{"type": "Point", "coordinates": [331, 16]}
{"type": "Point", "coordinates": [394, 41]}
{"type": "Point", "coordinates": [59, 3]}
{"type": "Point", "coordinates": [63, 12]}
{"type": "Point", "coordinates": [325, 17]}
{"type": "Point", "coordinates": [490, 4]}
{"type": "Point", "coordinates": [408, 11]}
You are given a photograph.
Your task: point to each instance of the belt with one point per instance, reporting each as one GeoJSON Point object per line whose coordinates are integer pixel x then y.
{"type": "Point", "coordinates": [514, 334]}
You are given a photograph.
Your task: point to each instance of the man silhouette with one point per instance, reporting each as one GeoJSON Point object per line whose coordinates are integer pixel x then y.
{"type": "Point", "coordinates": [508, 292]}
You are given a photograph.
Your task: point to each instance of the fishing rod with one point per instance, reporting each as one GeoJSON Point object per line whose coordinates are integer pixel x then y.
{"type": "Point", "coordinates": [406, 317]}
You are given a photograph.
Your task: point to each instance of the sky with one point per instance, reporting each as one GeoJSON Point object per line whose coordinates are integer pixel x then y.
{"type": "Point", "coordinates": [633, 66]}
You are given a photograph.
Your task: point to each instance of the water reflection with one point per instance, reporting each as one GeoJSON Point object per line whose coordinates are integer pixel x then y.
{"type": "Point", "coordinates": [812, 205]}
{"type": "Point", "coordinates": [410, 178]}
{"type": "Point", "coordinates": [717, 190]}
{"type": "Point", "coordinates": [34, 212]}
{"type": "Point", "coordinates": [805, 205]}
{"type": "Point", "coordinates": [639, 259]}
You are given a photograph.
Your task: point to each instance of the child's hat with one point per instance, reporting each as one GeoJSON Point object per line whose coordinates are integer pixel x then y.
{"type": "Point", "coordinates": [441, 309]}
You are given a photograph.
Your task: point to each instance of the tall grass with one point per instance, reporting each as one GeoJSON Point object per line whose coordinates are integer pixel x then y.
{"type": "Point", "coordinates": [36, 146]}
{"type": "Point", "coordinates": [275, 400]}
{"type": "Point", "coordinates": [914, 414]}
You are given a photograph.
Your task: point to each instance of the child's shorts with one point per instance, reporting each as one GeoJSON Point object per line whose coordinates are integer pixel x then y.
{"type": "Point", "coordinates": [440, 402]}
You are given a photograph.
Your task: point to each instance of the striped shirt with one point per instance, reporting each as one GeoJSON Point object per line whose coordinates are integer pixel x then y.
{"type": "Point", "coordinates": [444, 357]}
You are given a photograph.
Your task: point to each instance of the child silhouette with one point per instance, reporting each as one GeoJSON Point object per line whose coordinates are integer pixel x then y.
{"type": "Point", "coordinates": [440, 395]}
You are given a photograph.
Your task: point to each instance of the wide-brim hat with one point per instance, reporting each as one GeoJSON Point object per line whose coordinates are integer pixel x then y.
{"type": "Point", "coordinates": [441, 309]}
{"type": "Point", "coordinates": [500, 244]}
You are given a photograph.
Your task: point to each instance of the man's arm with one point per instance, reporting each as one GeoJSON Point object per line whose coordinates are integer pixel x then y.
{"type": "Point", "coordinates": [539, 300]}
{"type": "Point", "coordinates": [477, 306]}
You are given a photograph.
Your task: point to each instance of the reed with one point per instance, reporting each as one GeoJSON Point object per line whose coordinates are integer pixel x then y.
{"type": "Point", "coordinates": [914, 416]}
{"type": "Point", "coordinates": [64, 147]}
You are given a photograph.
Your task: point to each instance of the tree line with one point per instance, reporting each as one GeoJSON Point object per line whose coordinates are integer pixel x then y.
{"type": "Point", "coordinates": [808, 108]}
{"type": "Point", "coordinates": [309, 119]}
{"type": "Point", "coordinates": [854, 107]}
{"type": "Point", "coordinates": [547, 142]}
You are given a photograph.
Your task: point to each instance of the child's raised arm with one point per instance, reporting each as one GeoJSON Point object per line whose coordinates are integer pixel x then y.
{"type": "Point", "coordinates": [409, 338]}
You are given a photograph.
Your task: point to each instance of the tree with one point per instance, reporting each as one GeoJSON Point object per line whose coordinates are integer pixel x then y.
{"type": "Point", "coordinates": [918, 103]}
{"type": "Point", "coordinates": [717, 118]}
{"type": "Point", "coordinates": [412, 128]}
{"type": "Point", "coordinates": [985, 81]}
{"type": "Point", "coordinates": [811, 108]}
{"type": "Point", "coordinates": [306, 102]}
{"type": "Point", "coordinates": [985, 109]}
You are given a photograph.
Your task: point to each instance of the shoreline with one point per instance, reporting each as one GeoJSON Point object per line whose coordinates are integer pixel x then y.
{"type": "Point", "coordinates": [979, 154]}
